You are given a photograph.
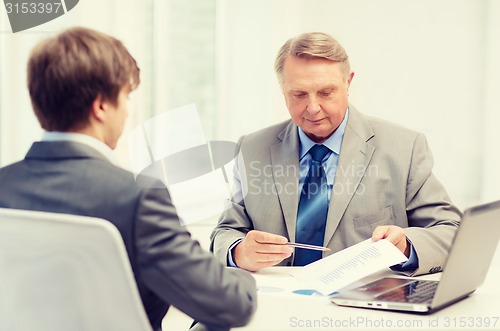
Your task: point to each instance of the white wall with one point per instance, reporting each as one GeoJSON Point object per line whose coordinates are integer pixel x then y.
{"type": "Point", "coordinates": [427, 65]}
{"type": "Point", "coordinates": [490, 189]}
{"type": "Point", "coordinates": [430, 65]}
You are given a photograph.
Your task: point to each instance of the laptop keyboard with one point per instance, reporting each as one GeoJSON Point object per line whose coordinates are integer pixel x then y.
{"type": "Point", "coordinates": [420, 291]}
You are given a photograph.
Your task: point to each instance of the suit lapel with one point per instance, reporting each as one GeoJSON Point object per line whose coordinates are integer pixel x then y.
{"type": "Point", "coordinates": [285, 162]}
{"type": "Point", "coordinates": [355, 156]}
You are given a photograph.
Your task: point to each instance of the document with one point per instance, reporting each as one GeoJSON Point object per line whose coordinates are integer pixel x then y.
{"type": "Point", "coordinates": [349, 265]}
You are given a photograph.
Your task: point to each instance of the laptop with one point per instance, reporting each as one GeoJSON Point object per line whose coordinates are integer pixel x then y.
{"type": "Point", "coordinates": [470, 257]}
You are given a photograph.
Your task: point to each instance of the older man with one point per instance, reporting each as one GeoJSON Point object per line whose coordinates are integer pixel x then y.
{"type": "Point", "coordinates": [332, 176]}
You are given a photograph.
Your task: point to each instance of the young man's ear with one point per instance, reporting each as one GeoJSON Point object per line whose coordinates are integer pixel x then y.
{"type": "Point", "coordinates": [99, 109]}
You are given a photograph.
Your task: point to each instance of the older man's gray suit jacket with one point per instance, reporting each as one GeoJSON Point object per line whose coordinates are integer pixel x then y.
{"type": "Point", "coordinates": [384, 177]}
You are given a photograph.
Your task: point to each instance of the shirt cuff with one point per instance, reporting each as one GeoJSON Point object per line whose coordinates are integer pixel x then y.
{"type": "Point", "coordinates": [230, 261]}
{"type": "Point", "coordinates": [411, 264]}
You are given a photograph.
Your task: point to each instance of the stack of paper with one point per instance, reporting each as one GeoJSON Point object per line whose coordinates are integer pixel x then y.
{"type": "Point", "coordinates": [349, 265]}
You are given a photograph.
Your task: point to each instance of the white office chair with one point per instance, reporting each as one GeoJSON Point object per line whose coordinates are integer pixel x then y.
{"type": "Point", "coordinates": [65, 272]}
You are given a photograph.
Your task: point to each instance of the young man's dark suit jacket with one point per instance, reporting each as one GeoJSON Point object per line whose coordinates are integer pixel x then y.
{"type": "Point", "coordinates": [170, 268]}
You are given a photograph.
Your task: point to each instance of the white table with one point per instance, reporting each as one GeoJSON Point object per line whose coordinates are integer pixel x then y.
{"type": "Point", "coordinates": [288, 311]}
{"type": "Point", "coordinates": [280, 309]}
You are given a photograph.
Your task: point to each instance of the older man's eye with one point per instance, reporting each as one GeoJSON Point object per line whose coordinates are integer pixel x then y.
{"type": "Point", "coordinates": [326, 93]}
{"type": "Point", "coordinates": [299, 94]}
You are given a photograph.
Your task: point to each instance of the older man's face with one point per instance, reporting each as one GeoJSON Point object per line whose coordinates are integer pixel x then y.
{"type": "Point", "coordinates": [316, 94]}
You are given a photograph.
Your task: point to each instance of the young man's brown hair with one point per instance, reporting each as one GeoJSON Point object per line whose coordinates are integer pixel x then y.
{"type": "Point", "coordinates": [68, 72]}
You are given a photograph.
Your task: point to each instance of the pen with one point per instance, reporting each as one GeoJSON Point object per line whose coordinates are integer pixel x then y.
{"type": "Point", "coordinates": [306, 246]}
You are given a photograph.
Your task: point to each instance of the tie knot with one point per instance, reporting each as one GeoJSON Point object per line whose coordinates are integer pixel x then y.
{"type": "Point", "coordinates": [318, 152]}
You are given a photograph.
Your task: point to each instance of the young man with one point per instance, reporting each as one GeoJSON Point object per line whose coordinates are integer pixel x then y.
{"type": "Point", "coordinates": [79, 81]}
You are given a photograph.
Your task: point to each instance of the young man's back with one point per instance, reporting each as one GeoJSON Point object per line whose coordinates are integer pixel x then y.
{"type": "Point", "coordinates": [71, 171]}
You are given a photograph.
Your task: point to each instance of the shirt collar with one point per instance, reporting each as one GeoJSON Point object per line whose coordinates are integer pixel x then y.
{"type": "Point", "coordinates": [334, 142]}
{"type": "Point", "coordinates": [87, 140]}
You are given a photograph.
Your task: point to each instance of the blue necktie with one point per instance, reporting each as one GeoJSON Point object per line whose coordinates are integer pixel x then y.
{"type": "Point", "coordinates": [313, 208]}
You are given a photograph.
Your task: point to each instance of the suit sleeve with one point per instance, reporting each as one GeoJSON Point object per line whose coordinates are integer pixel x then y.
{"type": "Point", "coordinates": [432, 217]}
{"type": "Point", "coordinates": [179, 271]}
{"type": "Point", "coordinates": [234, 222]}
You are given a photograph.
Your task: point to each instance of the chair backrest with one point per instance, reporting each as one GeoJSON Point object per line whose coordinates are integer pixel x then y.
{"type": "Point", "coordinates": [65, 272]}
